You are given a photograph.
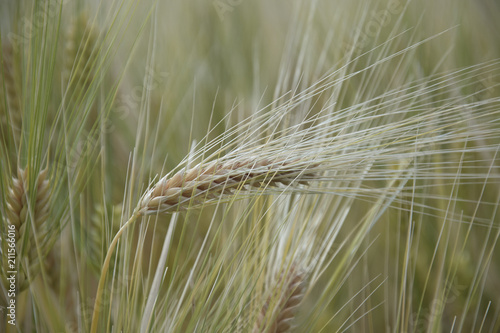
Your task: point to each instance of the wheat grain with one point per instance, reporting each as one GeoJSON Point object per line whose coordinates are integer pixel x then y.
{"type": "Point", "coordinates": [213, 181]}
{"type": "Point", "coordinates": [20, 211]}
{"type": "Point", "coordinates": [280, 309]}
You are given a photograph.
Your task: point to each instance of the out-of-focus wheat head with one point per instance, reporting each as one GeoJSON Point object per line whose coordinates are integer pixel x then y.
{"type": "Point", "coordinates": [104, 224]}
{"type": "Point", "coordinates": [282, 304]}
{"type": "Point", "coordinates": [11, 96]}
{"type": "Point", "coordinates": [29, 213]}
{"type": "Point", "coordinates": [81, 50]}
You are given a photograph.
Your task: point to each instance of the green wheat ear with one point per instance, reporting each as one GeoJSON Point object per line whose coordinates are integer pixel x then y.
{"type": "Point", "coordinates": [81, 51]}
{"type": "Point", "coordinates": [12, 116]}
{"type": "Point", "coordinates": [29, 213]}
{"type": "Point", "coordinates": [104, 224]}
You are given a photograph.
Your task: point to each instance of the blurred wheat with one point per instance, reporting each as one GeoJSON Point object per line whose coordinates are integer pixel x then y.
{"type": "Point", "coordinates": [279, 310]}
{"type": "Point", "coordinates": [11, 107]}
{"type": "Point", "coordinates": [29, 213]}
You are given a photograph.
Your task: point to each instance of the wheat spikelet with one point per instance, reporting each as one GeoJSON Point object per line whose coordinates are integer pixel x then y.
{"type": "Point", "coordinates": [213, 181]}
{"type": "Point", "coordinates": [19, 212]}
{"type": "Point", "coordinates": [280, 309]}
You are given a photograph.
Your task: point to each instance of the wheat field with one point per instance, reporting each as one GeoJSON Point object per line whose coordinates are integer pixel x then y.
{"type": "Point", "coordinates": [249, 166]}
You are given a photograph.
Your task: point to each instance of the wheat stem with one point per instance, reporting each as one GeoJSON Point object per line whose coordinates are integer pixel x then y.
{"type": "Point", "coordinates": [210, 180]}
{"type": "Point", "coordinates": [104, 272]}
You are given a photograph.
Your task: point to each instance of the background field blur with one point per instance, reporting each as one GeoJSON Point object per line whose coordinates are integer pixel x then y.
{"type": "Point", "coordinates": [108, 95]}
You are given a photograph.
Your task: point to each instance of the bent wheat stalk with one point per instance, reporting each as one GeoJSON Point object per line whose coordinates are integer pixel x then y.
{"type": "Point", "coordinates": [208, 183]}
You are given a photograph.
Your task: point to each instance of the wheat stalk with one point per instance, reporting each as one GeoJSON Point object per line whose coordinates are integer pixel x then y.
{"type": "Point", "coordinates": [20, 211]}
{"type": "Point", "coordinates": [280, 308]}
{"type": "Point", "coordinates": [208, 183]}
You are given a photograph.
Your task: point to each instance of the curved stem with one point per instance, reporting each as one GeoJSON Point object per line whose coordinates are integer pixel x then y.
{"type": "Point", "coordinates": [105, 267]}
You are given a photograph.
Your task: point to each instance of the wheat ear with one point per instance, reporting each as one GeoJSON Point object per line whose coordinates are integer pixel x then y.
{"type": "Point", "coordinates": [217, 180]}
{"type": "Point", "coordinates": [12, 88]}
{"type": "Point", "coordinates": [279, 311]}
{"type": "Point", "coordinates": [104, 224]}
{"type": "Point", "coordinates": [80, 53]}
{"type": "Point", "coordinates": [19, 212]}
